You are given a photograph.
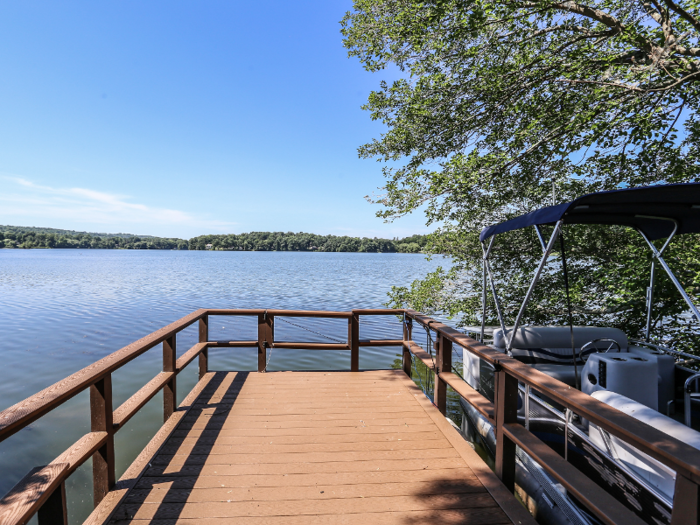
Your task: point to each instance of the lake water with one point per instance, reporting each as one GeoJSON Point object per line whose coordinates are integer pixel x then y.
{"type": "Point", "coordinates": [61, 310]}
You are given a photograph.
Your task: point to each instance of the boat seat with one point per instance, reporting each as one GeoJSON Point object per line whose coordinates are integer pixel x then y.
{"type": "Point", "coordinates": [552, 344]}
{"type": "Point", "coordinates": [563, 373]}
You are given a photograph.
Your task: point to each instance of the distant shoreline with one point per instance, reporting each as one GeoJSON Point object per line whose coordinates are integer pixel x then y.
{"type": "Point", "coordinates": [25, 237]}
{"type": "Point", "coordinates": [206, 251]}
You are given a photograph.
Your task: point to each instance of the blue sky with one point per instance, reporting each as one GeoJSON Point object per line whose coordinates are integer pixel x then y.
{"type": "Point", "coordinates": [181, 118]}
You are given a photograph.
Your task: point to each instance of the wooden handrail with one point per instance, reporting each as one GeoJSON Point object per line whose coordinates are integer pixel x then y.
{"type": "Point", "coordinates": [594, 497]}
{"type": "Point", "coordinates": [675, 454]}
{"type": "Point", "coordinates": [20, 415]}
{"type": "Point", "coordinates": [186, 358]}
{"type": "Point", "coordinates": [32, 491]}
{"type": "Point", "coordinates": [381, 342]}
{"type": "Point", "coordinates": [220, 311]}
{"type": "Point", "coordinates": [421, 354]}
{"type": "Point", "coordinates": [282, 313]}
{"type": "Point", "coordinates": [27, 411]}
{"type": "Point", "coordinates": [232, 344]}
{"type": "Point", "coordinates": [378, 311]}
{"type": "Point", "coordinates": [131, 406]}
{"type": "Point", "coordinates": [471, 396]}
{"type": "Point", "coordinates": [312, 346]}
{"type": "Point", "coordinates": [105, 421]}
{"type": "Point", "coordinates": [80, 451]}
{"type": "Point", "coordinates": [99, 444]}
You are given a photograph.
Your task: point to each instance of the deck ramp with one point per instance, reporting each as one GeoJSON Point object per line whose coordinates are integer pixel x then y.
{"type": "Point", "coordinates": [315, 448]}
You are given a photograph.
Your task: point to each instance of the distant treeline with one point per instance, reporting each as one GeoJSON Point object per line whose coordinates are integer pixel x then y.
{"type": "Point", "coordinates": [30, 237]}
{"type": "Point", "coordinates": [26, 229]}
{"type": "Point", "coordinates": [306, 242]}
{"type": "Point", "coordinates": [19, 237]}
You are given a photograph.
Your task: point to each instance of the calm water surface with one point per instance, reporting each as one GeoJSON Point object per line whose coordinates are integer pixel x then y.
{"type": "Point", "coordinates": [64, 309]}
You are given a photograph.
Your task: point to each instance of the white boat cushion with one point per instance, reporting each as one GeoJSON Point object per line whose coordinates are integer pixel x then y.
{"type": "Point", "coordinates": [652, 471]}
{"type": "Point", "coordinates": [650, 417]}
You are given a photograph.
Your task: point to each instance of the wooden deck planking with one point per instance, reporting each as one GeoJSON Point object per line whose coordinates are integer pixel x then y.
{"type": "Point", "coordinates": [314, 447]}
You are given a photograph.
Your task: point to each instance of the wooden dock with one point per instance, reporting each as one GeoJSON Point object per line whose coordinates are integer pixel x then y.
{"type": "Point", "coordinates": [350, 447]}
{"type": "Point", "coordinates": [314, 447]}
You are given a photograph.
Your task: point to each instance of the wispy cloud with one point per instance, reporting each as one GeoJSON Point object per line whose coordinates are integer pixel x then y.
{"type": "Point", "coordinates": [23, 198]}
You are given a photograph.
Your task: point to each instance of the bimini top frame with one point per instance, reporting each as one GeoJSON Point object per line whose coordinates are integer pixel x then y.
{"type": "Point", "coordinates": [656, 212]}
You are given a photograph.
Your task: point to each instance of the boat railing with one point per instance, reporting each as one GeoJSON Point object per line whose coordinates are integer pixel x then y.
{"type": "Point", "coordinates": [689, 396]}
{"type": "Point", "coordinates": [42, 490]}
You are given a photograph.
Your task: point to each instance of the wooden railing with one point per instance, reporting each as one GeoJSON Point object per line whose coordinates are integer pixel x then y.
{"type": "Point", "coordinates": [679, 456]}
{"type": "Point", "coordinates": [42, 491]}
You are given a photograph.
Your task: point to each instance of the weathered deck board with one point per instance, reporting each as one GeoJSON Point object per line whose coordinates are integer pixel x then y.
{"type": "Point", "coordinates": [312, 448]}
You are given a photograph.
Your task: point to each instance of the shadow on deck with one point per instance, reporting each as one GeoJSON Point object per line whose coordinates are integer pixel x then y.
{"type": "Point", "coordinates": [311, 447]}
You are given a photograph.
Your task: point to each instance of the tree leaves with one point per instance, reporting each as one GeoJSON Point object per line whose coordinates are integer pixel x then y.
{"type": "Point", "coordinates": [508, 106]}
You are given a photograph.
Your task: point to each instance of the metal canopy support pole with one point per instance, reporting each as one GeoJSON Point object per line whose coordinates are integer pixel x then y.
{"type": "Point", "coordinates": [539, 236]}
{"type": "Point", "coordinates": [674, 280]}
{"type": "Point", "coordinates": [483, 304]}
{"type": "Point", "coordinates": [650, 301]}
{"type": "Point", "coordinates": [487, 252]}
{"type": "Point", "coordinates": [545, 256]}
{"type": "Point", "coordinates": [526, 406]}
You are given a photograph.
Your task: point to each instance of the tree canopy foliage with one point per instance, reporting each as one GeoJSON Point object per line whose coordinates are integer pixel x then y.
{"type": "Point", "coordinates": [502, 107]}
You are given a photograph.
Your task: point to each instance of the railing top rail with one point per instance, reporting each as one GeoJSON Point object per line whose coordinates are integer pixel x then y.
{"type": "Point", "coordinates": [378, 311]}
{"type": "Point", "coordinates": [659, 445]}
{"type": "Point", "coordinates": [308, 313]}
{"type": "Point", "coordinates": [235, 311]}
{"type": "Point", "coordinates": [305, 313]}
{"type": "Point", "coordinates": [20, 415]}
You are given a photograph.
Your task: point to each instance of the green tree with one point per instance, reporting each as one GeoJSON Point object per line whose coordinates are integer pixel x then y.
{"type": "Point", "coordinates": [506, 106]}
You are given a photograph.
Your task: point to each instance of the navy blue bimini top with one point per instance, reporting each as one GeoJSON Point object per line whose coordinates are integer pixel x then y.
{"type": "Point", "coordinates": [641, 208]}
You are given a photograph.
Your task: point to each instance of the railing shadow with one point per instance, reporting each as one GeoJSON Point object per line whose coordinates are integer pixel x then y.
{"type": "Point", "coordinates": [182, 481]}
{"type": "Point", "coordinates": [455, 501]}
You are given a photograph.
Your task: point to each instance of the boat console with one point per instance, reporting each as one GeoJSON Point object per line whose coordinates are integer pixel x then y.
{"type": "Point", "coordinates": [627, 374]}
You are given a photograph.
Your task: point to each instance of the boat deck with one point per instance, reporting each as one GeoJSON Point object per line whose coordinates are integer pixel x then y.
{"type": "Point", "coordinates": [312, 447]}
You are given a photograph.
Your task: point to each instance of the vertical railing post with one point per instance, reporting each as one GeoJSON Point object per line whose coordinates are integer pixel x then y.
{"type": "Point", "coordinates": [443, 364]}
{"type": "Point", "coordinates": [54, 511]}
{"type": "Point", "coordinates": [686, 501]}
{"type": "Point", "coordinates": [506, 401]}
{"type": "Point", "coordinates": [406, 354]}
{"type": "Point", "coordinates": [354, 342]}
{"type": "Point", "coordinates": [265, 338]}
{"type": "Point", "coordinates": [101, 411]}
{"type": "Point", "coordinates": [169, 391]}
{"type": "Point", "coordinates": [203, 338]}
